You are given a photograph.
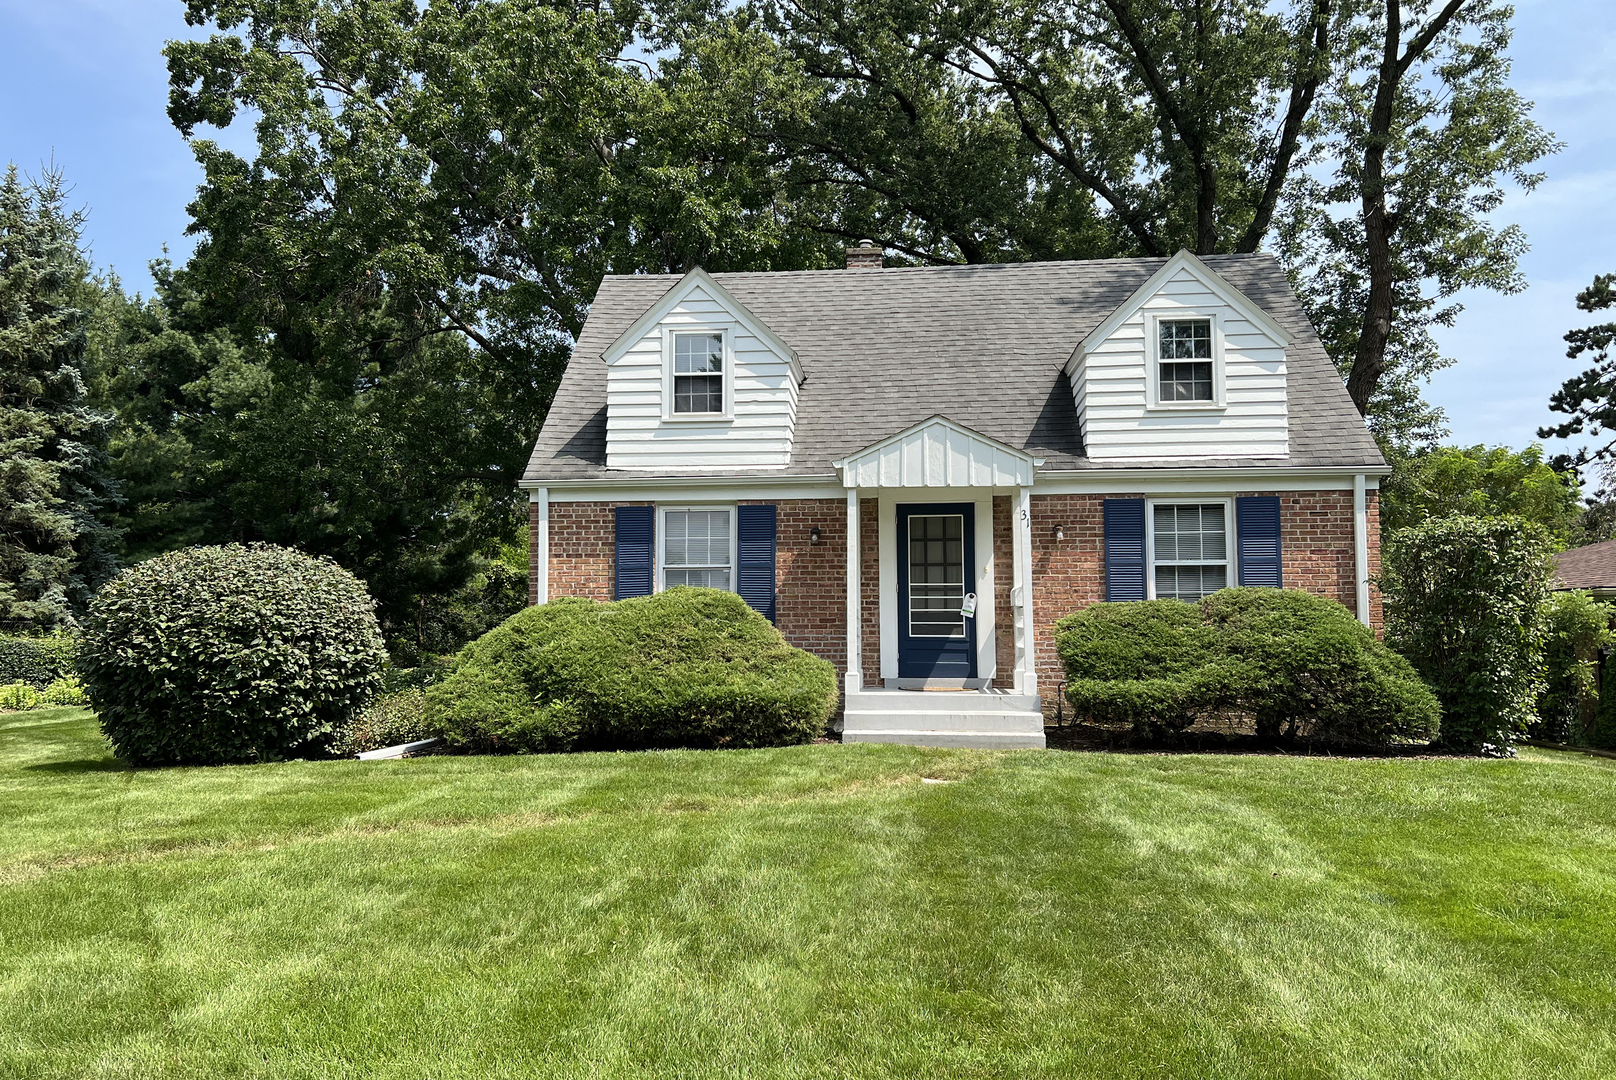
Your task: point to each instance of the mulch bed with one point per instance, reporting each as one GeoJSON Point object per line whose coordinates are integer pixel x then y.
{"type": "Point", "coordinates": [1231, 739]}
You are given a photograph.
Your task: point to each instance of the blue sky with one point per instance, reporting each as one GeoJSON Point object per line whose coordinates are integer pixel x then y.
{"type": "Point", "coordinates": [83, 82]}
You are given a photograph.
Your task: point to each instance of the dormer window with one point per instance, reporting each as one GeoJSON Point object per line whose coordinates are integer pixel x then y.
{"type": "Point", "coordinates": [1185, 368]}
{"type": "Point", "coordinates": [1187, 363]}
{"type": "Point", "coordinates": [698, 374]}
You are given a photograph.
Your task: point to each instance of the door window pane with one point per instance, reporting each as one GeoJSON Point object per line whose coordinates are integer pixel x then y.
{"type": "Point", "coordinates": [937, 575]}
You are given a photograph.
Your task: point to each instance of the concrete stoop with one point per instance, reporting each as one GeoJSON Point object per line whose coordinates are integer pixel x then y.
{"type": "Point", "coordinates": [992, 719]}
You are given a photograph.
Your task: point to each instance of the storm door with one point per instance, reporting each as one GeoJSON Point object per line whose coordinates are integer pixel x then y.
{"type": "Point", "coordinates": [937, 591]}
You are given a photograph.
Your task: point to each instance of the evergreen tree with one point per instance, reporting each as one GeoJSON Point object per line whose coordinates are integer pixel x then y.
{"type": "Point", "coordinates": [54, 549]}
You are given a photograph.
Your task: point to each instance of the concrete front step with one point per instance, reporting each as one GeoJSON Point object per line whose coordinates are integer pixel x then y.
{"type": "Point", "coordinates": [929, 718]}
{"type": "Point", "coordinates": [986, 740]}
{"type": "Point", "coordinates": [942, 720]}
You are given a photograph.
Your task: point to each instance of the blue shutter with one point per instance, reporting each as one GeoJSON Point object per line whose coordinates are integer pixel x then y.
{"type": "Point", "coordinates": [754, 572]}
{"type": "Point", "coordinates": [1257, 525]}
{"type": "Point", "coordinates": [636, 537]}
{"type": "Point", "coordinates": [1124, 549]}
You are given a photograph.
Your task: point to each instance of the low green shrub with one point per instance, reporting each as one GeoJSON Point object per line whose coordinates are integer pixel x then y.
{"type": "Point", "coordinates": [227, 654]}
{"type": "Point", "coordinates": [395, 718]}
{"type": "Point", "coordinates": [1303, 667]}
{"type": "Point", "coordinates": [1578, 628]}
{"type": "Point", "coordinates": [65, 691]}
{"type": "Point", "coordinates": [37, 660]}
{"type": "Point", "coordinates": [1150, 664]}
{"type": "Point", "coordinates": [1466, 602]}
{"type": "Point", "coordinates": [686, 667]}
{"type": "Point", "coordinates": [19, 697]}
{"type": "Point", "coordinates": [1299, 666]}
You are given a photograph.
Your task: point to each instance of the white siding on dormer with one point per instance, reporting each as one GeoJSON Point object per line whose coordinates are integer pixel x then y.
{"type": "Point", "coordinates": [1110, 389]}
{"type": "Point", "coordinates": [756, 436]}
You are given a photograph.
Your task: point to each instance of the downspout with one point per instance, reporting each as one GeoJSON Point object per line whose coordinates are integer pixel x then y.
{"type": "Point", "coordinates": [1360, 544]}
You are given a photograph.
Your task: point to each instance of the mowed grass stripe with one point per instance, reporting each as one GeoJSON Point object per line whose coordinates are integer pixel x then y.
{"type": "Point", "coordinates": [813, 911]}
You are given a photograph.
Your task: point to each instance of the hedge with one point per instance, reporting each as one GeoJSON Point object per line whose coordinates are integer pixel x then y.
{"type": "Point", "coordinates": [37, 661]}
{"type": "Point", "coordinates": [685, 667]}
{"type": "Point", "coordinates": [1299, 666]}
{"type": "Point", "coordinates": [230, 654]}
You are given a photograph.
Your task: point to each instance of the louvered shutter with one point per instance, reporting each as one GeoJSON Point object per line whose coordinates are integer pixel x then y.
{"type": "Point", "coordinates": [1257, 526]}
{"type": "Point", "coordinates": [754, 572]}
{"type": "Point", "coordinates": [1124, 549]}
{"type": "Point", "coordinates": [636, 537]}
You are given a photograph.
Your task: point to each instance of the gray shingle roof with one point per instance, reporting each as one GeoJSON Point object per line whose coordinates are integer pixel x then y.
{"type": "Point", "coordinates": [1590, 567]}
{"type": "Point", "coordinates": [882, 350]}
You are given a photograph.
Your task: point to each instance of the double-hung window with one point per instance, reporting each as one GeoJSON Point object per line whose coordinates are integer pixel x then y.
{"type": "Point", "coordinates": [698, 374]}
{"type": "Point", "coordinates": [697, 547]}
{"type": "Point", "coordinates": [1189, 549]}
{"type": "Point", "coordinates": [1184, 361]}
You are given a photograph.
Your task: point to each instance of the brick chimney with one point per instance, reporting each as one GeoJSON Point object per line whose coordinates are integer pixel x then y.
{"type": "Point", "coordinates": [864, 257]}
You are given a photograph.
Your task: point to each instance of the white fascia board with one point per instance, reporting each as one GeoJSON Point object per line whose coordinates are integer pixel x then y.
{"type": "Point", "coordinates": [1184, 260]}
{"type": "Point", "coordinates": [1213, 479]}
{"type": "Point", "coordinates": [704, 488]}
{"type": "Point", "coordinates": [701, 279]}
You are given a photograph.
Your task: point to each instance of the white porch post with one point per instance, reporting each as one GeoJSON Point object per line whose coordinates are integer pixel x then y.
{"type": "Point", "coordinates": [1026, 673]}
{"type": "Point", "coordinates": [1360, 545]}
{"type": "Point", "coordinates": [855, 665]}
{"type": "Point", "coordinates": [541, 545]}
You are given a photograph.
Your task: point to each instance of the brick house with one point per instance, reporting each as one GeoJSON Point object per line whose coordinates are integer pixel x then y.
{"type": "Point", "coordinates": [971, 451]}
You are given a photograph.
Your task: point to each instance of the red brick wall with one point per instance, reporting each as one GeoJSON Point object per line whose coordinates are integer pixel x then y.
{"type": "Point", "coordinates": [1067, 574]}
{"type": "Point", "coordinates": [1004, 644]}
{"type": "Point", "coordinates": [811, 579]}
{"type": "Point", "coordinates": [1316, 538]}
{"type": "Point", "coordinates": [583, 548]}
{"type": "Point", "coordinates": [1316, 542]}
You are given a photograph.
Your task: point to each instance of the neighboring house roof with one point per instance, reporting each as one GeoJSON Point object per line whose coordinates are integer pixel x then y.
{"type": "Point", "coordinates": [883, 350]}
{"type": "Point", "coordinates": [1592, 567]}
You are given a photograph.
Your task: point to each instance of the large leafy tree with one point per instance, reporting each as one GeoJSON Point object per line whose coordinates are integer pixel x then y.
{"type": "Point", "coordinates": [1481, 482]}
{"type": "Point", "coordinates": [1370, 138]}
{"type": "Point", "coordinates": [359, 354]}
{"type": "Point", "coordinates": [1419, 134]}
{"type": "Point", "coordinates": [54, 547]}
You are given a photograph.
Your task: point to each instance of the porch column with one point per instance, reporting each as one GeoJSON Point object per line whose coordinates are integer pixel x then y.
{"type": "Point", "coordinates": [540, 498]}
{"type": "Point", "coordinates": [855, 660]}
{"type": "Point", "coordinates": [1026, 673]}
{"type": "Point", "coordinates": [1360, 545]}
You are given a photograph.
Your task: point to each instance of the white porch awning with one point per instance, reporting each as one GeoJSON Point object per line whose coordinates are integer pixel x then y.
{"type": "Point", "coordinates": [938, 453]}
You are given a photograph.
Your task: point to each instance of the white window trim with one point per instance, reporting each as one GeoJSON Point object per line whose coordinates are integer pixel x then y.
{"type": "Point", "coordinates": [1230, 540]}
{"type": "Point", "coordinates": [727, 338]}
{"type": "Point", "coordinates": [658, 583]}
{"type": "Point", "coordinates": [1153, 321]}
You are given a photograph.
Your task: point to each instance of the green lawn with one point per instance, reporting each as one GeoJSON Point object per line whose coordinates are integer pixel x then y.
{"type": "Point", "coordinates": [816, 911]}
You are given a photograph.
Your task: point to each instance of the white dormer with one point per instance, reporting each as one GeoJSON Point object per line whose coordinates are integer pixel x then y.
{"type": "Point", "coordinates": [1187, 367]}
{"type": "Point", "coordinates": [699, 382]}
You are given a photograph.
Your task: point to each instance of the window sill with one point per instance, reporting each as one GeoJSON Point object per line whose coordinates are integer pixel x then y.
{"type": "Point", "coordinates": [697, 418]}
{"type": "Point", "coordinates": [1188, 406]}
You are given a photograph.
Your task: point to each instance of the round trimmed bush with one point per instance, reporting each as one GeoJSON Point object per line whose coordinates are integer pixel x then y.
{"type": "Point", "coordinates": [214, 655]}
{"type": "Point", "coordinates": [686, 667]}
{"type": "Point", "coordinates": [1150, 664]}
{"type": "Point", "coordinates": [1299, 666]}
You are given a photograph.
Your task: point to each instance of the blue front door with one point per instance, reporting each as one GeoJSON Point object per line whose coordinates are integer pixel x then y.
{"type": "Point", "coordinates": [936, 554]}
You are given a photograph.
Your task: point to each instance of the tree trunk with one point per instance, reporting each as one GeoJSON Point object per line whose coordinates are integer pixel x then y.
{"type": "Point", "coordinates": [1380, 225]}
